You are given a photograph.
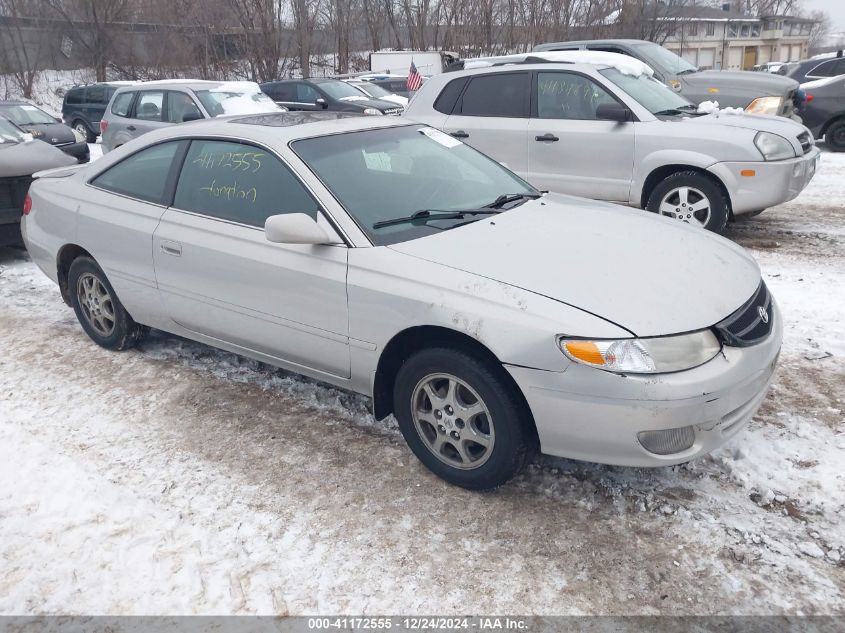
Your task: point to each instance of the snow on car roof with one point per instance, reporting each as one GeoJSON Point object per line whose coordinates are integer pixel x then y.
{"type": "Point", "coordinates": [623, 63]}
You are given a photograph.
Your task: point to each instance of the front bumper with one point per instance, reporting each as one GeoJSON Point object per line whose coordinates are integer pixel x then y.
{"type": "Point", "coordinates": [773, 182]}
{"type": "Point", "coordinates": [79, 151]}
{"type": "Point", "coordinates": [593, 415]}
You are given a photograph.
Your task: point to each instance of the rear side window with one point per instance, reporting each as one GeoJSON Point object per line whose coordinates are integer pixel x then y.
{"type": "Point", "coordinates": [142, 175]}
{"type": "Point", "coordinates": [826, 69]}
{"type": "Point", "coordinates": [74, 96]}
{"type": "Point", "coordinates": [502, 94]}
{"type": "Point", "coordinates": [240, 183]}
{"type": "Point", "coordinates": [96, 94]}
{"type": "Point", "coordinates": [448, 98]}
{"type": "Point", "coordinates": [121, 104]}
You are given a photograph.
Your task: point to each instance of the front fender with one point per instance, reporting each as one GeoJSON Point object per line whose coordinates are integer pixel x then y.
{"type": "Point", "coordinates": [663, 158]}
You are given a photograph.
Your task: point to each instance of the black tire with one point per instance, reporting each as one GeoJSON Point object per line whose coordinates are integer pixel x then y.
{"type": "Point", "coordinates": [834, 136]}
{"type": "Point", "coordinates": [82, 126]}
{"type": "Point", "coordinates": [510, 423]}
{"type": "Point", "coordinates": [719, 207]}
{"type": "Point", "coordinates": [124, 333]}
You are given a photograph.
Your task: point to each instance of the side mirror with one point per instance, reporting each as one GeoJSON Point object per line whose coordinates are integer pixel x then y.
{"type": "Point", "coordinates": [294, 228]}
{"type": "Point", "coordinates": [322, 103]}
{"type": "Point", "coordinates": [614, 112]}
{"type": "Point", "coordinates": [193, 115]}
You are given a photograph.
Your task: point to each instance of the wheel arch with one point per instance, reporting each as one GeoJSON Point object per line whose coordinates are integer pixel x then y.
{"type": "Point", "coordinates": [66, 256]}
{"type": "Point", "coordinates": [831, 121]}
{"type": "Point", "coordinates": [658, 174]}
{"type": "Point", "coordinates": [416, 338]}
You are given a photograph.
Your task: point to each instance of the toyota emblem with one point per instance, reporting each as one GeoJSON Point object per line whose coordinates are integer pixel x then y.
{"type": "Point", "coordinates": [764, 316]}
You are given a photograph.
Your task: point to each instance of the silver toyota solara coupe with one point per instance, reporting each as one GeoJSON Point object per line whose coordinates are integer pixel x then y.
{"type": "Point", "coordinates": [391, 259]}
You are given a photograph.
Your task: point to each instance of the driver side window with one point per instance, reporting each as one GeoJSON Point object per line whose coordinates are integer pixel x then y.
{"type": "Point", "coordinates": [306, 93]}
{"type": "Point", "coordinates": [569, 96]}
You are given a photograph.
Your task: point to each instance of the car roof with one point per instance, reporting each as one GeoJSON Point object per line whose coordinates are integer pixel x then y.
{"type": "Point", "coordinates": [185, 83]}
{"type": "Point", "coordinates": [582, 42]}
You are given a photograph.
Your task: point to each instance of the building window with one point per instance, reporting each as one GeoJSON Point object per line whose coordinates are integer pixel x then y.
{"type": "Point", "coordinates": [711, 28]}
{"type": "Point", "coordinates": [746, 30]}
{"type": "Point", "coordinates": [692, 29]}
{"type": "Point", "coordinates": [733, 30]}
{"type": "Point", "coordinates": [755, 30]}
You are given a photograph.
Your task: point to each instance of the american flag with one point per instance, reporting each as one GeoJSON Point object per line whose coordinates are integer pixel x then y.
{"type": "Point", "coordinates": [414, 78]}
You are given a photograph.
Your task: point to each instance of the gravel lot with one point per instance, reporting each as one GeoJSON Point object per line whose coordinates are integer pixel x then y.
{"type": "Point", "coordinates": [179, 479]}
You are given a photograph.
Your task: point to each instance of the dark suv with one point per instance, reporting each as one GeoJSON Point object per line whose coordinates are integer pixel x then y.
{"type": "Point", "coordinates": [83, 107]}
{"type": "Point", "coordinates": [325, 94]}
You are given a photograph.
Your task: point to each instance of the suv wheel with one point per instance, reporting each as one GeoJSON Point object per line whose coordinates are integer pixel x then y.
{"type": "Point", "coordinates": [98, 309]}
{"type": "Point", "coordinates": [834, 136]}
{"type": "Point", "coordinates": [83, 129]}
{"type": "Point", "coordinates": [461, 419]}
{"type": "Point", "coordinates": [690, 197]}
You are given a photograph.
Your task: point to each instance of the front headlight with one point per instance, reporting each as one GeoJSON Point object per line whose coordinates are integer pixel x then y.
{"type": "Point", "coordinates": [373, 111]}
{"type": "Point", "coordinates": [765, 105]}
{"type": "Point", "coordinates": [79, 137]}
{"type": "Point", "coordinates": [644, 355]}
{"type": "Point", "coordinates": [773, 146]}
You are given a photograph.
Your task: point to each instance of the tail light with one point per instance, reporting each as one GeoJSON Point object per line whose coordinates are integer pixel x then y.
{"type": "Point", "coordinates": [27, 205]}
{"type": "Point", "coordinates": [809, 98]}
{"type": "Point", "coordinates": [103, 125]}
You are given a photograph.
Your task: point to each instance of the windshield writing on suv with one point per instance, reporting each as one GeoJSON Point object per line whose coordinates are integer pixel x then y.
{"type": "Point", "coordinates": [385, 174]}
{"type": "Point", "coordinates": [227, 101]}
{"type": "Point", "coordinates": [650, 93]}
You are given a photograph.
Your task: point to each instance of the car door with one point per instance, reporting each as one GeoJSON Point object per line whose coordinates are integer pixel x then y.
{"type": "Point", "coordinates": [492, 116]}
{"type": "Point", "coordinates": [148, 113]}
{"type": "Point", "coordinates": [571, 151]}
{"type": "Point", "coordinates": [219, 276]}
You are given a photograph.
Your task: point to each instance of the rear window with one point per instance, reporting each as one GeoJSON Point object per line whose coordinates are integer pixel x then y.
{"type": "Point", "coordinates": [121, 104]}
{"type": "Point", "coordinates": [446, 101]}
{"type": "Point", "coordinates": [96, 94]}
{"type": "Point", "coordinates": [502, 94]}
{"type": "Point", "coordinates": [74, 96]}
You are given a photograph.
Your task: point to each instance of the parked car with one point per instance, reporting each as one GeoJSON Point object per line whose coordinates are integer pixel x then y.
{"type": "Point", "coordinates": [770, 67]}
{"type": "Point", "coordinates": [375, 91]}
{"type": "Point", "coordinates": [314, 95]}
{"type": "Point", "coordinates": [20, 157]}
{"type": "Point", "coordinates": [393, 260]}
{"type": "Point", "coordinates": [142, 107]}
{"type": "Point", "coordinates": [760, 93]}
{"type": "Point", "coordinates": [47, 128]}
{"type": "Point", "coordinates": [816, 68]}
{"type": "Point", "coordinates": [824, 110]}
{"type": "Point", "coordinates": [599, 125]}
{"type": "Point", "coordinates": [395, 84]}
{"type": "Point", "coordinates": [84, 106]}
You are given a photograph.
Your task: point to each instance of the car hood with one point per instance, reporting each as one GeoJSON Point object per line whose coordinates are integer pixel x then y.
{"type": "Point", "coordinates": [764, 84]}
{"type": "Point", "coordinates": [24, 159]}
{"type": "Point", "coordinates": [58, 131]}
{"type": "Point", "coordinates": [648, 274]}
{"type": "Point", "coordinates": [758, 122]}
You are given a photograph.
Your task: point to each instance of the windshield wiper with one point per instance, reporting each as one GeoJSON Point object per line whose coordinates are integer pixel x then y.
{"type": "Point", "coordinates": [505, 198]}
{"type": "Point", "coordinates": [670, 112]}
{"type": "Point", "coordinates": [426, 215]}
{"type": "Point", "coordinates": [687, 71]}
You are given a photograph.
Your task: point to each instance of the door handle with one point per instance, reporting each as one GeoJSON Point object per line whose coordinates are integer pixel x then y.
{"type": "Point", "coordinates": [131, 128]}
{"type": "Point", "coordinates": [171, 248]}
{"type": "Point", "coordinates": [547, 137]}
{"type": "Point", "coordinates": [460, 134]}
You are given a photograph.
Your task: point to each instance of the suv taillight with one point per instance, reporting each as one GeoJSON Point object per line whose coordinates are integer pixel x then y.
{"type": "Point", "coordinates": [103, 125]}
{"type": "Point", "coordinates": [27, 205]}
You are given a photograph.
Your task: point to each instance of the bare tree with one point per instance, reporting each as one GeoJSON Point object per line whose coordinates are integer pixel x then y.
{"type": "Point", "coordinates": [23, 49]}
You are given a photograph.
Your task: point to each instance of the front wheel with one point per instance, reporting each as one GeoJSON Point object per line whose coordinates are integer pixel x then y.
{"type": "Point", "coordinates": [691, 197]}
{"type": "Point", "coordinates": [98, 309]}
{"type": "Point", "coordinates": [462, 419]}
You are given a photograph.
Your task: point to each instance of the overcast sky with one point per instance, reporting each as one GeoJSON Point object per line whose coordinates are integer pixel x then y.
{"type": "Point", "coordinates": [834, 8]}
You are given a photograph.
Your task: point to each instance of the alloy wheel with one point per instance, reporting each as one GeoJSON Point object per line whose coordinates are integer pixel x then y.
{"type": "Point", "coordinates": [96, 304]}
{"type": "Point", "coordinates": [452, 421]}
{"type": "Point", "coordinates": [687, 204]}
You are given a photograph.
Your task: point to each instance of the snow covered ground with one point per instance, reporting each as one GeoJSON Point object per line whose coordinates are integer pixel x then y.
{"type": "Point", "coordinates": [179, 479]}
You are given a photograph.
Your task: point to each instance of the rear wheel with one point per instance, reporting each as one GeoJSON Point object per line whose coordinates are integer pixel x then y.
{"type": "Point", "coordinates": [834, 136]}
{"type": "Point", "coordinates": [462, 419]}
{"type": "Point", "coordinates": [98, 309]}
{"type": "Point", "coordinates": [83, 129]}
{"type": "Point", "coordinates": [691, 197]}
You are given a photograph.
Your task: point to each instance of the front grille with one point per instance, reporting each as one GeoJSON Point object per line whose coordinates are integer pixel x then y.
{"type": "Point", "coordinates": [12, 193]}
{"type": "Point", "coordinates": [751, 323]}
{"type": "Point", "coordinates": [806, 141]}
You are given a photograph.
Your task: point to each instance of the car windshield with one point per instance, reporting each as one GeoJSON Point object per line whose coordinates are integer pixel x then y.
{"type": "Point", "coordinates": [9, 133]}
{"type": "Point", "coordinates": [25, 114]}
{"type": "Point", "coordinates": [340, 89]}
{"type": "Point", "coordinates": [653, 95]}
{"type": "Point", "coordinates": [663, 59]}
{"type": "Point", "coordinates": [372, 90]}
{"type": "Point", "coordinates": [224, 100]}
{"type": "Point", "coordinates": [393, 173]}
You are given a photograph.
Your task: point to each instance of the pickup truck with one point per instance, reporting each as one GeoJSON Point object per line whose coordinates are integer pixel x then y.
{"type": "Point", "coordinates": [758, 93]}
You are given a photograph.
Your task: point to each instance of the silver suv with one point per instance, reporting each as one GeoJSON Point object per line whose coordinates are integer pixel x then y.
{"type": "Point", "coordinates": [598, 125]}
{"type": "Point", "coordinates": [146, 106]}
